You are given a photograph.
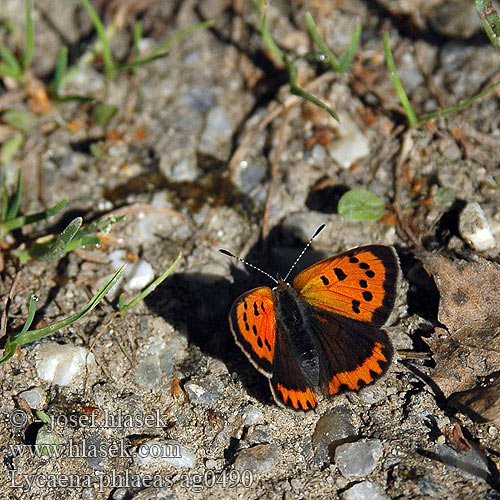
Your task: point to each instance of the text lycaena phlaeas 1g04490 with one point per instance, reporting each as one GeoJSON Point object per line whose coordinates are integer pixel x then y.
{"type": "Point", "coordinates": [323, 330]}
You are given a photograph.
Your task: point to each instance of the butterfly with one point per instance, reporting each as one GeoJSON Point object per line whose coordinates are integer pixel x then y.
{"type": "Point", "coordinates": [324, 329]}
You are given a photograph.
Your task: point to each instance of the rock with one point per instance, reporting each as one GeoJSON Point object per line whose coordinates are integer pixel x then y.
{"type": "Point", "coordinates": [36, 398]}
{"type": "Point", "coordinates": [332, 429]}
{"type": "Point", "coordinates": [166, 451]}
{"type": "Point", "coordinates": [358, 459]}
{"type": "Point", "coordinates": [60, 364]}
{"type": "Point", "coordinates": [363, 491]}
{"type": "Point", "coordinates": [260, 458]}
{"type": "Point", "coordinates": [475, 228]}
{"type": "Point", "coordinates": [202, 392]}
{"type": "Point", "coordinates": [471, 463]}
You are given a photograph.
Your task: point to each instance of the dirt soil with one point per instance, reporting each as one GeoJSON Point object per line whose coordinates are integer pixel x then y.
{"type": "Point", "coordinates": [209, 149]}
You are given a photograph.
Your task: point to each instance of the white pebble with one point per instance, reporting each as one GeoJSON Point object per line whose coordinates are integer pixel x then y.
{"type": "Point", "coordinates": [475, 228]}
{"type": "Point", "coordinates": [352, 144]}
{"type": "Point", "coordinates": [60, 364]}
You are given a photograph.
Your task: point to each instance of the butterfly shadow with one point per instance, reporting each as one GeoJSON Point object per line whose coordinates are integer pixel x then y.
{"type": "Point", "coordinates": [199, 304]}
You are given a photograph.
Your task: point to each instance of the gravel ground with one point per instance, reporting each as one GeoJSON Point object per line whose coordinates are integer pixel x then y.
{"type": "Point", "coordinates": [166, 405]}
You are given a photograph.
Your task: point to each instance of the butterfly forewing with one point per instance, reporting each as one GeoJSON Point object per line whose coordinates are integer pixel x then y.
{"type": "Point", "coordinates": [253, 323]}
{"type": "Point", "coordinates": [360, 284]}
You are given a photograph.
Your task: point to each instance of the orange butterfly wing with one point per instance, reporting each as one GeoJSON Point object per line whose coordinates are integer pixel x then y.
{"type": "Point", "coordinates": [360, 284]}
{"type": "Point", "coordinates": [253, 323]}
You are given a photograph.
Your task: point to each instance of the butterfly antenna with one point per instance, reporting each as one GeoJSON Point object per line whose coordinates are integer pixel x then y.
{"type": "Point", "coordinates": [320, 228]}
{"type": "Point", "coordinates": [226, 252]}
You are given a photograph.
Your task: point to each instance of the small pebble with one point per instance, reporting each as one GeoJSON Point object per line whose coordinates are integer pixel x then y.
{"type": "Point", "coordinates": [202, 392]}
{"type": "Point", "coordinates": [358, 459]}
{"type": "Point", "coordinates": [475, 228]}
{"type": "Point", "coordinates": [330, 431]}
{"type": "Point", "coordinates": [364, 491]}
{"type": "Point", "coordinates": [215, 139]}
{"type": "Point", "coordinates": [137, 275]}
{"type": "Point", "coordinates": [35, 398]}
{"type": "Point", "coordinates": [60, 364]}
{"type": "Point", "coordinates": [261, 434]}
{"type": "Point", "coordinates": [260, 458]}
{"type": "Point", "coordinates": [167, 451]}
{"type": "Point", "coordinates": [251, 415]}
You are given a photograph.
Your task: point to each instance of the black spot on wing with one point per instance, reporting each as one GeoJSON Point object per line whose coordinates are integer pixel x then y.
{"type": "Point", "coordinates": [325, 280]}
{"type": "Point", "coordinates": [340, 274]}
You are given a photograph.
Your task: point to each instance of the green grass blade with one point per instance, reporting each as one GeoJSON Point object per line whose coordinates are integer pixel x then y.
{"type": "Point", "coordinates": [325, 50]}
{"type": "Point", "coordinates": [32, 335]}
{"type": "Point", "coordinates": [61, 69]}
{"type": "Point", "coordinates": [4, 195]}
{"type": "Point", "coordinates": [140, 62]}
{"type": "Point", "coordinates": [6, 70]}
{"type": "Point", "coordinates": [109, 64]}
{"type": "Point", "coordinates": [58, 248]}
{"type": "Point", "coordinates": [458, 107]}
{"type": "Point", "coordinates": [351, 50]}
{"type": "Point", "coordinates": [16, 201]}
{"type": "Point", "coordinates": [403, 98]}
{"type": "Point", "coordinates": [11, 63]}
{"type": "Point", "coordinates": [137, 38]}
{"type": "Point", "coordinates": [122, 307]}
{"type": "Point", "coordinates": [177, 36]}
{"type": "Point", "coordinates": [23, 220]}
{"type": "Point", "coordinates": [30, 37]}
{"type": "Point", "coordinates": [294, 89]}
{"type": "Point", "coordinates": [29, 319]}
{"type": "Point", "coordinates": [268, 40]}
{"type": "Point", "coordinates": [490, 20]}
{"type": "Point", "coordinates": [11, 343]}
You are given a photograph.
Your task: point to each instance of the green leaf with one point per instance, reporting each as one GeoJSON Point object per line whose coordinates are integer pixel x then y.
{"type": "Point", "coordinates": [361, 205]}
{"type": "Point", "coordinates": [103, 114]}
{"type": "Point", "coordinates": [10, 147]}
{"type": "Point", "coordinates": [21, 120]}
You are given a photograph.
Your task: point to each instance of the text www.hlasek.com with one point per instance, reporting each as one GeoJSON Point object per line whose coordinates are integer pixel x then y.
{"type": "Point", "coordinates": [195, 482]}
{"type": "Point", "coordinates": [88, 449]}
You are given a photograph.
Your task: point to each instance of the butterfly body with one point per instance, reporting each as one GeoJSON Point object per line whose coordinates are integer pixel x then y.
{"type": "Point", "coordinates": [324, 329]}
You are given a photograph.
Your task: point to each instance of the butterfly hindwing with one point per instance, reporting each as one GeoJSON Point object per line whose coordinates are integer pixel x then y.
{"type": "Point", "coordinates": [288, 384]}
{"type": "Point", "coordinates": [253, 323]}
{"type": "Point", "coordinates": [352, 354]}
{"type": "Point", "coordinates": [360, 284]}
